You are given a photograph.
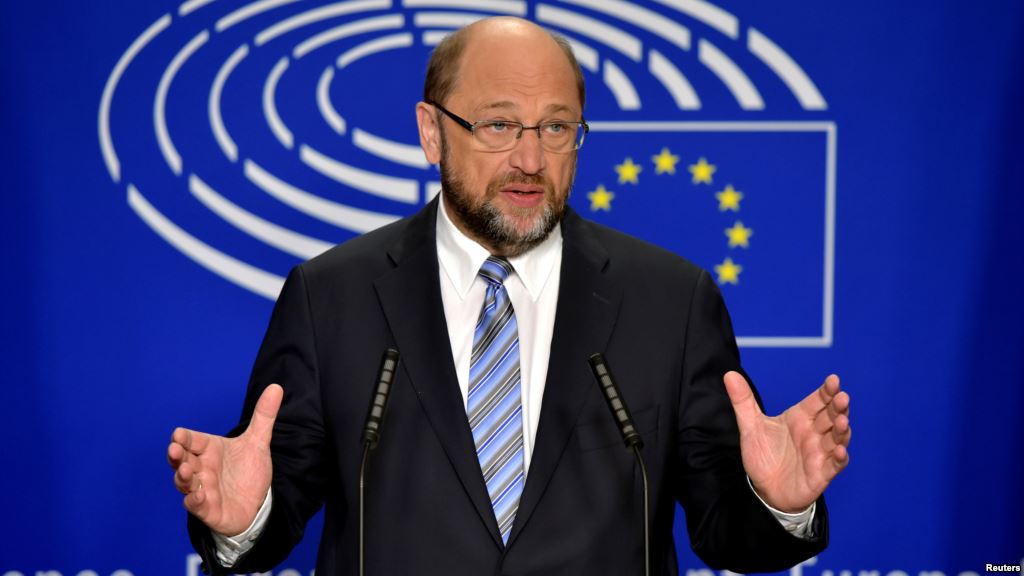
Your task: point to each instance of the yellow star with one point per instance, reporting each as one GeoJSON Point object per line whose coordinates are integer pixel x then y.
{"type": "Point", "coordinates": [628, 172]}
{"type": "Point", "coordinates": [728, 272]}
{"type": "Point", "coordinates": [601, 199]}
{"type": "Point", "coordinates": [739, 235]}
{"type": "Point", "coordinates": [702, 171]}
{"type": "Point", "coordinates": [665, 162]}
{"type": "Point", "coordinates": [729, 199]}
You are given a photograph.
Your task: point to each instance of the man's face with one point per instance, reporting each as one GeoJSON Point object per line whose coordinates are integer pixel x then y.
{"type": "Point", "coordinates": [508, 201]}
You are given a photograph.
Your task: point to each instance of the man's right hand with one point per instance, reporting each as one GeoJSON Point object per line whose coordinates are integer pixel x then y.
{"type": "Point", "coordinates": [225, 480]}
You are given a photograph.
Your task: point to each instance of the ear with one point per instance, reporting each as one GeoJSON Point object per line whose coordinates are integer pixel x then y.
{"type": "Point", "coordinates": [430, 135]}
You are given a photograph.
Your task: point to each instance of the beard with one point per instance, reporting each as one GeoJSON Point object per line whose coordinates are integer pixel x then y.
{"type": "Point", "coordinates": [503, 231]}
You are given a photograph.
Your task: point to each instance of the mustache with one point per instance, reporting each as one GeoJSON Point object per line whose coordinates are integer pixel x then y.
{"type": "Point", "coordinates": [516, 177]}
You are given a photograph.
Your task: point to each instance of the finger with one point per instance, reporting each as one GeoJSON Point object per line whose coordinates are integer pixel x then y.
{"type": "Point", "coordinates": [839, 407]}
{"type": "Point", "coordinates": [841, 403]}
{"type": "Point", "coordinates": [195, 503]}
{"type": "Point", "coordinates": [832, 431]}
{"type": "Point", "coordinates": [819, 399]}
{"type": "Point", "coordinates": [840, 458]}
{"type": "Point", "coordinates": [182, 480]}
{"type": "Point", "coordinates": [190, 440]}
{"type": "Point", "coordinates": [743, 402]}
{"type": "Point", "coordinates": [842, 432]}
{"type": "Point", "coordinates": [839, 435]}
{"type": "Point", "coordinates": [261, 427]}
{"type": "Point", "coordinates": [175, 454]}
{"type": "Point", "coordinates": [833, 461]}
{"type": "Point", "coordinates": [185, 478]}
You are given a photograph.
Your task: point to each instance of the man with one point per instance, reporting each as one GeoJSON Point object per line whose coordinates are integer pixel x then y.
{"type": "Point", "coordinates": [499, 455]}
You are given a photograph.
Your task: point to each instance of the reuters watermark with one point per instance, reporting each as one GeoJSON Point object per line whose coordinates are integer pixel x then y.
{"type": "Point", "coordinates": [1004, 567]}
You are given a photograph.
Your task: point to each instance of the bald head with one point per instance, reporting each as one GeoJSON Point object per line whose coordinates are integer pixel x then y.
{"type": "Point", "coordinates": [494, 44]}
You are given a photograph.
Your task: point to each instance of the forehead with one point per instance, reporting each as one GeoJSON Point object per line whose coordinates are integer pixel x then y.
{"type": "Point", "coordinates": [517, 69]}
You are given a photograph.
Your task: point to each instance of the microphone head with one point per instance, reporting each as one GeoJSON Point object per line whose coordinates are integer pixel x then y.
{"type": "Point", "coordinates": [379, 400]}
{"type": "Point", "coordinates": [616, 403]}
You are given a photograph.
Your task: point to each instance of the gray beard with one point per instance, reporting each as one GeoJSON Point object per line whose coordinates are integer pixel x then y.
{"type": "Point", "coordinates": [486, 222]}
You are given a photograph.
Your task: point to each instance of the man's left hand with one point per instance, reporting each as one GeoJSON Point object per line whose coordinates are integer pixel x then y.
{"type": "Point", "coordinates": [792, 457]}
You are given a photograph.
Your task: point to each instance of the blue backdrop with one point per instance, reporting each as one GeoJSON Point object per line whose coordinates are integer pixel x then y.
{"type": "Point", "coordinates": [850, 173]}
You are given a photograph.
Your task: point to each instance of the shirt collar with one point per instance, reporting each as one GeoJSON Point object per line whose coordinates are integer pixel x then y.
{"type": "Point", "coordinates": [461, 257]}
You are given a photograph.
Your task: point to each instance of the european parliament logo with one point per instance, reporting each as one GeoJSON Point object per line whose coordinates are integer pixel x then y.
{"type": "Point", "coordinates": [252, 136]}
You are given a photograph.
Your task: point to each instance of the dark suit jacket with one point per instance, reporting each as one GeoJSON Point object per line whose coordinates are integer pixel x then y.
{"type": "Point", "coordinates": [665, 332]}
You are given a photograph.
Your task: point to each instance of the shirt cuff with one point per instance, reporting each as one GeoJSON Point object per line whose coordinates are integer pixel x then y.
{"type": "Point", "coordinates": [231, 548]}
{"type": "Point", "coordinates": [798, 524]}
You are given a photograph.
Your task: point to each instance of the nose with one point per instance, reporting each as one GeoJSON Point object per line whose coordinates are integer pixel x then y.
{"type": "Point", "coordinates": [528, 155]}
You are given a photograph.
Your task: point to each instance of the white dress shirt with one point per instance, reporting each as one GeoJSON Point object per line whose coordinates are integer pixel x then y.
{"type": "Point", "coordinates": [533, 290]}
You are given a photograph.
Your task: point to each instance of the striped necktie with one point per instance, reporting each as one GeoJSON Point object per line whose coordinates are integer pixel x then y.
{"type": "Point", "coordinates": [494, 406]}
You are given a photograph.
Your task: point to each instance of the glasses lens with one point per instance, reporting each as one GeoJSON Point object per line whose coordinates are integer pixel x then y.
{"type": "Point", "coordinates": [557, 136]}
{"type": "Point", "coordinates": [496, 134]}
{"type": "Point", "coordinates": [581, 133]}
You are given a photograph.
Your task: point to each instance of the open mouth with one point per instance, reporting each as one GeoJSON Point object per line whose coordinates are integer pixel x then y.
{"type": "Point", "coordinates": [524, 195]}
{"type": "Point", "coordinates": [523, 190]}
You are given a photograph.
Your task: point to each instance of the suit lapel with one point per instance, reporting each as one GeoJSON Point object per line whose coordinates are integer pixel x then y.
{"type": "Point", "coordinates": [588, 304]}
{"type": "Point", "coordinates": [421, 334]}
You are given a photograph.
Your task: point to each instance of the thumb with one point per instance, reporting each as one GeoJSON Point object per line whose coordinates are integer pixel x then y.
{"type": "Point", "coordinates": [743, 402]}
{"type": "Point", "coordinates": [262, 424]}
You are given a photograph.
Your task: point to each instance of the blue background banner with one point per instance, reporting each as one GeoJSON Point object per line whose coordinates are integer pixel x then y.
{"type": "Point", "coordinates": [850, 173]}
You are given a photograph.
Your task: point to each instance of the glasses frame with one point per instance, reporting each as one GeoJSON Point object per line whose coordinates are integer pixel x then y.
{"type": "Point", "coordinates": [471, 127]}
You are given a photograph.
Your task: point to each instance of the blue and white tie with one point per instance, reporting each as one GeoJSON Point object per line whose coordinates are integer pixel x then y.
{"type": "Point", "coordinates": [494, 405]}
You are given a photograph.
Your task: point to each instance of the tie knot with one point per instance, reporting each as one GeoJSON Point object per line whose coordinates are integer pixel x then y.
{"type": "Point", "coordinates": [495, 270]}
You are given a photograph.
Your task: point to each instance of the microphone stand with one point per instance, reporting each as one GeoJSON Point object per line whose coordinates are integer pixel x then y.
{"type": "Point", "coordinates": [362, 506]}
{"type": "Point", "coordinates": [371, 435]}
{"type": "Point", "coordinates": [647, 536]}
{"type": "Point", "coordinates": [632, 438]}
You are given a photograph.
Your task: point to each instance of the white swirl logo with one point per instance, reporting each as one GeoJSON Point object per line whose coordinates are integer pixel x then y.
{"type": "Point", "coordinates": [290, 125]}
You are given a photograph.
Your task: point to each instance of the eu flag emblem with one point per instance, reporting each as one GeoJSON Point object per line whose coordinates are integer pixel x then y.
{"type": "Point", "coordinates": [753, 203]}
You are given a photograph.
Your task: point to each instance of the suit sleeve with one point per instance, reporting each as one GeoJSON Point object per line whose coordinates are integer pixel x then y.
{"type": "Point", "coordinates": [288, 357]}
{"type": "Point", "coordinates": [729, 527]}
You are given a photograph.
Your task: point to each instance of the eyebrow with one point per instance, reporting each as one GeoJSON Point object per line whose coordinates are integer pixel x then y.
{"type": "Point", "coordinates": [503, 105]}
{"type": "Point", "coordinates": [508, 105]}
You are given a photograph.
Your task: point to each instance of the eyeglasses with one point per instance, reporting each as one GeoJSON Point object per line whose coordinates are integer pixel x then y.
{"type": "Point", "coordinates": [500, 135]}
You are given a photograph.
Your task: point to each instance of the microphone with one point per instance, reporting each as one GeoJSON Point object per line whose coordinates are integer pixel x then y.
{"type": "Point", "coordinates": [632, 438]}
{"type": "Point", "coordinates": [371, 433]}
{"type": "Point", "coordinates": [615, 401]}
{"type": "Point", "coordinates": [379, 400]}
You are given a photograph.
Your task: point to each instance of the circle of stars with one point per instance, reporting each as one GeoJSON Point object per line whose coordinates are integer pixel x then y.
{"type": "Point", "coordinates": [701, 173]}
